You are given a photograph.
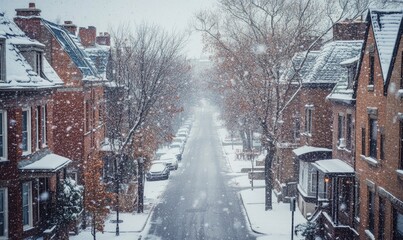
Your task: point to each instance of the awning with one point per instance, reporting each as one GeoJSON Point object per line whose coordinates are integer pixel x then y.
{"type": "Point", "coordinates": [333, 167]}
{"type": "Point", "coordinates": [49, 163]}
{"type": "Point", "coordinates": [310, 154]}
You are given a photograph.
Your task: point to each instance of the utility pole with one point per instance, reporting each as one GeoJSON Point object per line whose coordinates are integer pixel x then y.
{"type": "Point", "coordinates": [292, 209]}
{"type": "Point", "coordinates": [117, 179]}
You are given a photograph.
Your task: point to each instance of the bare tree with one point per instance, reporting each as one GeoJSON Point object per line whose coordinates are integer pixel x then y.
{"type": "Point", "coordinates": [252, 42]}
{"type": "Point", "coordinates": [146, 68]}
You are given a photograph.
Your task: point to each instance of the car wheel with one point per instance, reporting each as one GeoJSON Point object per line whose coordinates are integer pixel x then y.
{"type": "Point", "coordinates": [176, 167]}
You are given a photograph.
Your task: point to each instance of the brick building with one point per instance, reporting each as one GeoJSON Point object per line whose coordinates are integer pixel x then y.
{"type": "Point", "coordinates": [315, 117]}
{"type": "Point", "coordinates": [30, 170]}
{"type": "Point", "coordinates": [379, 128]}
{"type": "Point", "coordinates": [78, 129]}
{"type": "Point", "coordinates": [336, 211]}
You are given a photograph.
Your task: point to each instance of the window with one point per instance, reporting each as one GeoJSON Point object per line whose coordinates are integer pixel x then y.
{"type": "Point", "coordinates": [44, 120]}
{"type": "Point", "coordinates": [2, 61]}
{"type": "Point", "coordinates": [27, 204]}
{"type": "Point", "coordinates": [3, 213]}
{"type": "Point", "coordinates": [3, 136]}
{"type": "Point", "coordinates": [87, 116]}
{"type": "Point", "coordinates": [401, 72]}
{"type": "Point", "coordinates": [397, 224]}
{"type": "Point", "coordinates": [371, 69]}
{"type": "Point", "coordinates": [345, 197]}
{"type": "Point", "coordinates": [350, 75]}
{"type": "Point", "coordinates": [37, 127]}
{"type": "Point", "coordinates": [314, 182]}
{"type": "Point", "coordinates": [373, 134]}
{"type": "Point", "coordinates": [401, 144]}
{"type": "Point", "coordinates": [340, 131]}
{"type": "Point", "coordinates": [382, 146]}
{"type": "Point", "coordinates": [308, 120]}
{"type": "Point", "coordinates": [363, 138]}
{"type": "Point", "coordinates": [26, 131]}
{"type": "Point", "coordinates": [349, 132]}
{"type": "Point", "coordinates": [357, 199]}
{"type": "Point", "coordinates": [381, 222]}
{"type": "Point", "coordinates": [38, 63]}
{"type": "Point", "coordinates": [371, 210]}
{"type": "Point", "coordinates": [297, 127]}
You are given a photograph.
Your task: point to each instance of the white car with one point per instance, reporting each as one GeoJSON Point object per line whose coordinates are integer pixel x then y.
{"type": "Point", "coordinates": [158, 170]}
{"type": "Point", "coordinates": [170, 160]}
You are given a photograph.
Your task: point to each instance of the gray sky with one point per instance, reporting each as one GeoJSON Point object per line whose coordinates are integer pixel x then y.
{"type": "Point", "coordinates": [107, 14]}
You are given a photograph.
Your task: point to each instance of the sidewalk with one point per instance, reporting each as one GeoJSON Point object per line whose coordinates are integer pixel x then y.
{"type": "Point", "coordinates": [274, 224]}
{"type": "Point", "coordinates": [133, 223]}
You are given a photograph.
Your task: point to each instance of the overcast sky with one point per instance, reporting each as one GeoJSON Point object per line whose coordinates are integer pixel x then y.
{"type": "Point", "coordinates": [107, 14]}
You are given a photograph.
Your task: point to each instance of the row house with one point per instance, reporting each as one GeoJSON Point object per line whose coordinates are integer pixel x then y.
{"type": "Point", "coordinates": [336, 212]}
{"type": "Point", "coordinates": [30, 168]}
{"type": "Point", "coordinates": [78, 105]}
{"type": "Point", "coordinates": [379, 128]}
{"type": "Point", "coordinates": [307, 120]}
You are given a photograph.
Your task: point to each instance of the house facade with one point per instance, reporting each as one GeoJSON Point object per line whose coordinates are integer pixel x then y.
{"type": "Point", "coordinates": [379, 128]}
{"type": "Point", "coordinates": [78, 105]}
{"type": "Point", "coordinates": [30, 168]}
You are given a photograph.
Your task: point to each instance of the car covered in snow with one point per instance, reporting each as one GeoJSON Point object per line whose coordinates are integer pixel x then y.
{"type": "Point", "coordinates": [158, 170]}
{"type": "Point", "coordinates": [177, 149]}
{"type": "Point", "coordinates": [170, 160]}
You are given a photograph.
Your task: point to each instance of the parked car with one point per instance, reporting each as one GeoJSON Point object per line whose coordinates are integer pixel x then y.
{"type": "Point", "coordinates": [177, 148]}
{"type": "Point", "coordinates": [179, 139]}
{"type": "Point", "coordinates": [161, 151]}
{"type": "Point", "coordinates": [170, 160]}
{"type": "Point", "coordinates": [158, 170]}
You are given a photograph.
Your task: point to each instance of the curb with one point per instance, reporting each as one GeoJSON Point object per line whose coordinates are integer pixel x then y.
{"type": "Point", "coordinates": [247, 216]}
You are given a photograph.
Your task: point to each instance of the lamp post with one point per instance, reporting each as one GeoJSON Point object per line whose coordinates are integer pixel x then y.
{"type": "Point", "coordinates": [292, 209]}
{"type": "Point", "coordinates": [140, 189]}
{"type": "Point", "coordinates": [117, 179]}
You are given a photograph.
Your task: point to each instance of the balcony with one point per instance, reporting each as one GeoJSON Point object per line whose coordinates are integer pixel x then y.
{"type": "Point", "coordinates": [336, 231]}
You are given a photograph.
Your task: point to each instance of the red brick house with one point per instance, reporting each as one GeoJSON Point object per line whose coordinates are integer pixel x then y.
{"type": "Point", "coordinates": [29, 168]}
{"type": "Point", "coordinates": [315, 117]}
{"type": "Point", "coordinates": [379, 128]}
{"type": "Point", "coordinates": [336, 212]}
{"type": "Point", "coordinates": [77, 127]}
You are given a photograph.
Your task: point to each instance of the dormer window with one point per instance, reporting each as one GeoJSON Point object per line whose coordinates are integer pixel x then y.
{"type": "Point", "coordinates": [350, 75]}
{"type": "Point", "coordinates": [38, 63]}
{"type": "Point", "coordinates": [2, 60]}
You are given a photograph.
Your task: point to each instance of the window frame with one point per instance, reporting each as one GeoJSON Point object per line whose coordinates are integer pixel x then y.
{"type": "Point", "coordinates": [395, 212]}
{"type": "Point", "coordinates": [2, 60]}
{"type": "Point", "coordinates": [3, 135]}
{"type": "Point", "coordinates": [381, 218]}
{"type": "Point", "coordinates": [44, 120]}
{"type": "Point", "coordinates": [371, 210]}
{"type": "Point", "coordinates": [5, 213]}
{"type": "Point", "coordinates": [28, 130]}
{"type": "Point", "coordinates": [349, 131]}
{"type": "Point", "coordinates": [340, 130]}
{"type": "Point", "coordinates": [308, 120]}
{"type": "Point", "coordinates": [38, 63]}
{"type": "Point", "coordinates": [371, 69]}
{"type": "Point", "coordinates": [27, 206]}
{"type": "Point", "coordinates": [363, 142]}
{"type": "Point", "coordinates": [373, 137]}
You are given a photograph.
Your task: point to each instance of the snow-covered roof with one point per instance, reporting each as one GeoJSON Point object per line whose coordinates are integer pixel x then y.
{"type": "Point", "coordinates": [309, 149]}
{"type": "Point", "coordinates": [327, 68]}
{"type": "Point", "coordinates": [99, 55]}
{"type": "Point", "coordinates": [19, 73]}
{"type": "Point", "coordinates": [301, 62]}
{"type": "Point", "coordinates": [341, 93]}
{"type": "Point", "coordinates": [333, 166]}
{"type": "Point", "coordinates": [48, 163]}
{"type": "Point", "coordinates": [73, 49]}
{"type": "Point", "coordinates": [385, 24]}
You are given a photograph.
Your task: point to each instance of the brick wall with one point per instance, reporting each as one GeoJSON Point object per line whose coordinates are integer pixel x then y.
{"type": "Point", "coordinates": [87, 36]}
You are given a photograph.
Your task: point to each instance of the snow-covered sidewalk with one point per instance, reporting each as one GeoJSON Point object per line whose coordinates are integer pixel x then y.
{"type": "Point", "coordinates": [273, 224]}
{"type": "Point", "coordinates": [133, 224]}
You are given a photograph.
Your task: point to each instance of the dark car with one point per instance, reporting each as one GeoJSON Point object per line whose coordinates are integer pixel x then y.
{"type": "Point", "coordinates": [158, 171]}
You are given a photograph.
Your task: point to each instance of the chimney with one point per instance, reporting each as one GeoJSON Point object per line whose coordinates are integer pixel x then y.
{"type": "Point", "coordinates": [69, 26]}
{"type": "Point", "coordinates": [104, 39]}
{"type": "Point", "coordinates": [348, 29]}
{"type": "Point", "coordinates": [29, 20]}
{"type": "Point", "coordinates": [87, 36]}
